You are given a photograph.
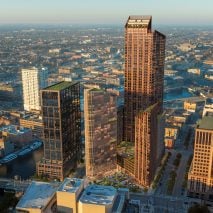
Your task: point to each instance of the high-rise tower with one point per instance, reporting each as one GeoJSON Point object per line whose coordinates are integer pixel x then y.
{"type": "Point", "coordinates": [144, 70]}
{"type": "Point", "coordinates": [100, 115]}
{"type": "Point", "coordinates": [62, 131]}
{"type": "Point", "coordinates": [33, 79]}
{"type": "Point", "coordinates": [143, 100]}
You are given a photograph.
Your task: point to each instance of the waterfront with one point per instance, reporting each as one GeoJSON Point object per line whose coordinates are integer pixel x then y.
{"type": "Point", "coordinates": [24, 167]}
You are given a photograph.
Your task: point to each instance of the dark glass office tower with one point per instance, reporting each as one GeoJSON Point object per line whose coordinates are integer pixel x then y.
{"type": "Point", "coordinates": [60, 104]}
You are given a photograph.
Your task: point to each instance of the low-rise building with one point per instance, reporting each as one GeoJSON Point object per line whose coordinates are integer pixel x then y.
{"type": "Point", "coordinates": [194, 71]}
{"type": "Point", "coordinates": [185, 47]}
{"type": "Point", "coordinates": [64, 70]}
{"type": "Point", "coordinates": [209, 77]}
{"type": "Point", "coordinates": [169, 142]}
{"type": "Point", "coordinates": [97, 199]}
{"type": "Point", "coordinates": [171, 131]}
{"type": "Point", "coordinates": [4, 120]}
{"type": "Point", "coordinates": [178, 119]}
{"type": "Point", "coordinates": [40, 197]}
{"type": "Point", "coordinates": [208, 108]}
{"type": "Point", "coordinates": [68, 195]}
{"type": "Point", "coordinates": [19, 135]}
{"type": "Point", "coordinates": [33, 122]}
{"type": "Point", "coordinates": [71, 196]}
{"type": "Point", "coordinates": [189, 106]}
{"type": "Point", "coordinates": [6, 146]}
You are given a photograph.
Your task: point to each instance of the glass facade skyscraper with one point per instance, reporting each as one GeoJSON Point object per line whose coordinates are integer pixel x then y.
{"type": "Point", "coordinates": [62, 131]}
{"type": "Point", "coordinates": [144, 78]}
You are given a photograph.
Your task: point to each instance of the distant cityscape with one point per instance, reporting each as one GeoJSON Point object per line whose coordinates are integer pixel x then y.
{"type": "Point", "coordinates": [106, 118]}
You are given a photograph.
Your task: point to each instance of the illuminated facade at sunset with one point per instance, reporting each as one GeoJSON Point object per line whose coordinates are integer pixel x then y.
{"type": "Point", "coordinates": [144, 73]}
{"type": "Point", "coordinates": [100, 112]}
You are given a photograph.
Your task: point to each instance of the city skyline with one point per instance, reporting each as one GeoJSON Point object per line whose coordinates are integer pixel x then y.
{"type": "Point", "coordinates": [125, 122]}
{"type": "Point", "coordinates": [107, 12]}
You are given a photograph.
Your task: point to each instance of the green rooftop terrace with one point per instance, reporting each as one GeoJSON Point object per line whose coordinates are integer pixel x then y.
{"type": "Point", "coordinates": [206, 123]}
{"type": "Point", "coordinates": [60, 86]}
{"type": "Point", "coordinates": [149, 109]}
{"type": "Point", "coordinates": [96, 89]}
{"type": "Point", "coordinates": [125, 147]}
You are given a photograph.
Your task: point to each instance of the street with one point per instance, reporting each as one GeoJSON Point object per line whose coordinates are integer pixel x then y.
{"type": "Point", "coordinates": [169, 204]}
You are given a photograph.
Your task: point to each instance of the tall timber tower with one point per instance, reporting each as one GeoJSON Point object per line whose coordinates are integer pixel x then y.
{"type": "Point", "coordinates": [143, 101]}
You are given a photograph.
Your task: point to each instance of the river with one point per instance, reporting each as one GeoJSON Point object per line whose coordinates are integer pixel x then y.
{"type": "Point", "coordinates": [25, 167]}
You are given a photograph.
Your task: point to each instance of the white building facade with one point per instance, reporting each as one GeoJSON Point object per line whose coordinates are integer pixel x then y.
{"type": "Point", "coordinates": [33, 79]}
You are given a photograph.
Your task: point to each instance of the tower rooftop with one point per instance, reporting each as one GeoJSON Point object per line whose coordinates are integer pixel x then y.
{"type": "Point", "coordinates": [206, 123]}
{"type": "Point", "coordinates": [139, 17]}
{"type": "Point", "coordinates": [139, 21]}
{"type": "Point", "coordinates": [60, 86]}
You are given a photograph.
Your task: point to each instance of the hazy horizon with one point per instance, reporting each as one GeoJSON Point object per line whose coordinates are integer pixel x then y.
{"type": "Point", "coordinates": [164, 12]}
{"type": "Point", "coordinates": [120, 25]}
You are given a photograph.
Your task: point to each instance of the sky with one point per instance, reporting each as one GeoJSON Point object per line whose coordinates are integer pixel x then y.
{"type": "Point", "coordinates": [166, 12]}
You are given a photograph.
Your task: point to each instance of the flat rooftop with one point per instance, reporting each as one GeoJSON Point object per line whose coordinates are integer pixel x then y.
{"type": "Point", "coordinates": [168, 125]}
{"type": "Point", "coordinates": [16, 130]}
{"type": "Point", "coordinates": [139, 17]}
{"type": "Point", "coordinates": [97, 90]}
{"type": "Point", "coordinates": [206, 123]}
{"type": "Point", "coordinates": [60, 86]}
{"type": "Point", "coordinates": [139, 20]}
{"type": "Point", "coordinates": [100, 195]}
{"type": "Point", "coordinates": [37, 195]}
{"type": "Point", "coordinates": [70, 185]}
{"type": "Point", "coordinates": [209, 101]}
{"type": "Point", "coordinates": [39, 69]}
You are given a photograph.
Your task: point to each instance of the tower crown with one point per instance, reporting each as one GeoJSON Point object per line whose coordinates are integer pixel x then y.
{"type": "Point", "coordinates": [139, 22]}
